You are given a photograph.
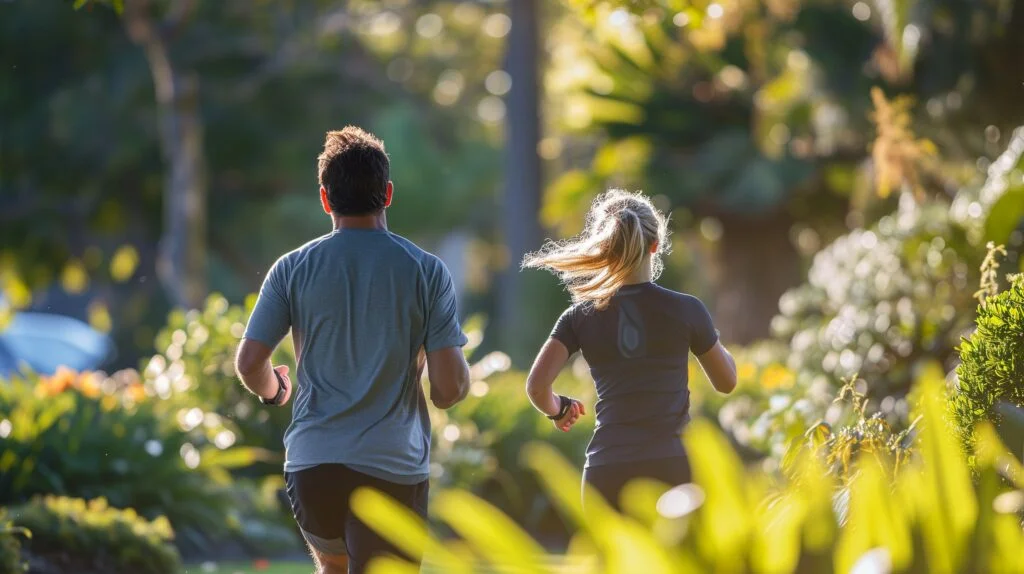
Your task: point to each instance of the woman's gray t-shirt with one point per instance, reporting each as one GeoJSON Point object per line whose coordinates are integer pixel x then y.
{"type": "Point", "coordinates": [360, 304]}
{"type": "Point", "coordinates": [638, 350]}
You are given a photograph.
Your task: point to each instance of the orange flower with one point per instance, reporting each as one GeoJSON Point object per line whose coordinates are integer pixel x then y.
{"type": "Point", "coordinates": [62, 380]}
{"type": "Point", "coordinates": [89, 385]}
{"type": "Point", "coordinates": [57, 384]}
{"type": "Point", "coordinates": [135, 392]}
{"type": "Point", "coordinates": [260, 564]}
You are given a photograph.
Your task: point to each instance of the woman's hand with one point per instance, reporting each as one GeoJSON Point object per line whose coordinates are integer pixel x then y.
{"type": "Point", "coordinates": [575, 411]}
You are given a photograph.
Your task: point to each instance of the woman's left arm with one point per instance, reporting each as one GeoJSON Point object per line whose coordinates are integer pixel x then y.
{"type": "Point", "coordinates": [552, 357]}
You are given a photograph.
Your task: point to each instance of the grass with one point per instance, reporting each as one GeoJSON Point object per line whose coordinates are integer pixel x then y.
{"type": "Point", "coordinates": [271, 567]}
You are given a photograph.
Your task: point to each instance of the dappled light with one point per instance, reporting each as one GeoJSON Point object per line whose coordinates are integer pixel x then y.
{"type": "Point", "coordinates": [815, 366]}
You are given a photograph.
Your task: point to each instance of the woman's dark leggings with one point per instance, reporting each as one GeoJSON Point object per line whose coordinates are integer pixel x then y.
{"type": "Point", "coordinates": [609, 479]}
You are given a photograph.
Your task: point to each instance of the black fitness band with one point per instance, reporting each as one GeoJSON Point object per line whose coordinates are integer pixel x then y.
{"type": "Point", "coordinates": [279, 397]}
{"type": "Point", "coordinates": [564, 404]}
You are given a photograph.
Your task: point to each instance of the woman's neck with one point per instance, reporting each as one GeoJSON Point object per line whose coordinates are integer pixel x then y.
{"type": "Point", "coordinates": [642, 274]}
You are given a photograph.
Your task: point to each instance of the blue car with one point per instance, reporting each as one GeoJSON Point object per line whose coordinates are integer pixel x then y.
{"type": "Point", "coordinates": [44, 341]}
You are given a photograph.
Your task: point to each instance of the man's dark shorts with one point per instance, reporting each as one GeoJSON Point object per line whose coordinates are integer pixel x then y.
{"type": "Point", "coordinates": [319, 498]}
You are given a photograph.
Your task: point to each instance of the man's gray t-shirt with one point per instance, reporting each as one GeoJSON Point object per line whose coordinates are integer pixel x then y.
{"type": "Point", "coordinates": [360, 303]}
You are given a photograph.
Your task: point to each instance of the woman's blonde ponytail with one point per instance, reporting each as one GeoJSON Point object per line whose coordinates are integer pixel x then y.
{"type": "Point", "coordinates": [621, 229]}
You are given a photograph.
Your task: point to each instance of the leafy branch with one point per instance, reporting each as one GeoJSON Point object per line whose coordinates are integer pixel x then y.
{"type": "Point", "coordinates": [990, 272]}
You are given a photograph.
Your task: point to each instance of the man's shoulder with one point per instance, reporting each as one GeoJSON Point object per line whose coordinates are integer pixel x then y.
{"type": "Point", "coordinates": [429, 262]}
{"type": "Point", "coordinates": [290, 257]}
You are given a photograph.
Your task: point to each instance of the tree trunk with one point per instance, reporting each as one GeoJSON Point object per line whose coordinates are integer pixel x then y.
{"type": "Point", "coordinates": [757, 263]}
{"type": "Point", "coordinates": [522, 194]}
{"type": "Point", "coordinates": [181, 263]}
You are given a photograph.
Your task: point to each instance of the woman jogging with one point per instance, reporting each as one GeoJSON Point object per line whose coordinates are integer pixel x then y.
{"type": "Point", "coordinates": [635, 335]}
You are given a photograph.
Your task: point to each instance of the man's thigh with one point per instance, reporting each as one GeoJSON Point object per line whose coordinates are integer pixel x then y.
{"type": "Point", "coordinates": [319, 500]}
{"type": "Point", "coordinates": [363, 543]}
{"type": "Point", "coordinates": [319, 497]}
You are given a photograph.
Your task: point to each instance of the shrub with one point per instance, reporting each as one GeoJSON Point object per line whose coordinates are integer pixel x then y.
{"type": "Point", "coordinates": [193, 376]}
{"type": "Point", "coordinates": [10, 546]}
{"type": "Point", "coordinates": [991, 370]}
{"type": "Point", "coordinates": [80, 536]}
{"type": "Point", "coordinates": [842, 446]}
{"type": "Point", "coordinates": [880, 302]}
{"type": "Point", "coordinates": [65, 435]}
{"type": "Point", "coordinates": [768, 409]}
{"type": "Point", "coordinates": [927, 517]}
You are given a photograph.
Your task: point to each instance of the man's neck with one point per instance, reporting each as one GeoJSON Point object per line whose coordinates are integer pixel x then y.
{"type": "Point", "coordinates": [374, 221]}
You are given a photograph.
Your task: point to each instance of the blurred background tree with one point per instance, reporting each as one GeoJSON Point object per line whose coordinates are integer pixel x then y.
{"type": "Point", "coordinates": [753, 116]}
{"type": "Point", "coordinates": [750, 121]}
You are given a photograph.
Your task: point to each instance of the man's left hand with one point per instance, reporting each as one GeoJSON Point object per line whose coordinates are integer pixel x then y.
{"type": "Point", "coordinates": [283, 371]}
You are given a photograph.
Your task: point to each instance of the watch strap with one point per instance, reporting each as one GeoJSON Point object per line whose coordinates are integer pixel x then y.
{"type": "Point", "coordinates": [564, 404]}
{"type": "Point", "coordinates": [279, 397]}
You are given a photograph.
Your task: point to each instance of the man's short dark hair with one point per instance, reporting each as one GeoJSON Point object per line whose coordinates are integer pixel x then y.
{"type": "Point", "coordinates": [354, 169]}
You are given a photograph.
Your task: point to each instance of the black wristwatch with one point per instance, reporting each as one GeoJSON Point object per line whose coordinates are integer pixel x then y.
{"type": "Point", "coordinates": [564, 404]}
{"type": "Point", "coordinates": [279, 397]}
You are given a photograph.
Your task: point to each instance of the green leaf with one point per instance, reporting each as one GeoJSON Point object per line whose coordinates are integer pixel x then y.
{"type": "Point", "coordinates": [492, 534]}
{"type": "Point", "coordinates": [876, 519]}
{"type": "Point", "coordinates": [1005, 215]}
{"type": "Point", "coordinates": [944, 490]}
{"type": "Point", "coordinates": [726, 524]}
{"type": "Point", "coordinates": [566, 198]}
{"type": "Point", "coordinates": [622, 545]}
{"type": "Point", "coordinates": [237, 457]}
{"type": "Point", "coordinates": [402, 527]}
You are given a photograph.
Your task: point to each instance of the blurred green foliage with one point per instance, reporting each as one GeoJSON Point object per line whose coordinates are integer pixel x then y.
{"type": "Point", "coordinates": [477, 445]}
{"type": "Point", "coordinates": [10, 545]}
{"type": "Point", "coordinates": [884, 301]}
{"type": "Point", "coordinates": [867, 435]}
{"type": "Point", "coordinates": [747, 109]}
{"type": "Point", "coordinates": [74, 535]}
{"type": "Point", "coordinates": [999, 200]}
{"type": "Point", "coordinates": [96, 116]}
{"type": "Point", "coordinates": [757, 117]}
{"type": "Point", "coordinates": [193, 376]}
{"type": "Point", "coordinates": [931, 518]}
{"type": "Point", "coordinates": [83, 436]}
{"type": "Point", "coordinates": [879, 301]}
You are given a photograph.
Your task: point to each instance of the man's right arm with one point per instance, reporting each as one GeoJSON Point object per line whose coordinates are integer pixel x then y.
{"type": "Point", "coordinates": [448, 373]}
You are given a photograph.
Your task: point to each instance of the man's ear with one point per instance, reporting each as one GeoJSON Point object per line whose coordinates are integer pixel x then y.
{"type": "Point", "coordinates": [654, 247]}
{"type": "Point", "coordinates": [323, 200]}
{"type": "Point", "coordinates": [390, 191]}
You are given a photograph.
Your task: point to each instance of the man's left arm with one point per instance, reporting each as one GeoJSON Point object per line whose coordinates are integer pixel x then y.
{"type": "Point", "coordinates": [268, 325]}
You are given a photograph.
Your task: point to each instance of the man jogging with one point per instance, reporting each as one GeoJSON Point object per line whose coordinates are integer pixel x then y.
{"type": "Point", "coordinates": [366, 309]}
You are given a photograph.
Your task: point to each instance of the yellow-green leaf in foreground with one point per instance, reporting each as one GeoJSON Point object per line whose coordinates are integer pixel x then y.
{"type": "Point", "coordinates": [402, 527]}
{"type": "Point", "coordinates": [946, 498]}
{"type": "Point", "coordinates": [492, 534]}
{"type": "Point", "coordinates": [725, 523]}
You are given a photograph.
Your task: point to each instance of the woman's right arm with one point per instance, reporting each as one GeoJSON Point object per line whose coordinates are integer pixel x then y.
{"type": "Point", "coordinates": [719, 367]}
{"type": "Point", "coordinates": [552, 357]}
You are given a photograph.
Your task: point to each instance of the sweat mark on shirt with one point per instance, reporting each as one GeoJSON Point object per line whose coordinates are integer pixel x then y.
{"type": "Point", "coordinates": [632, 343]}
